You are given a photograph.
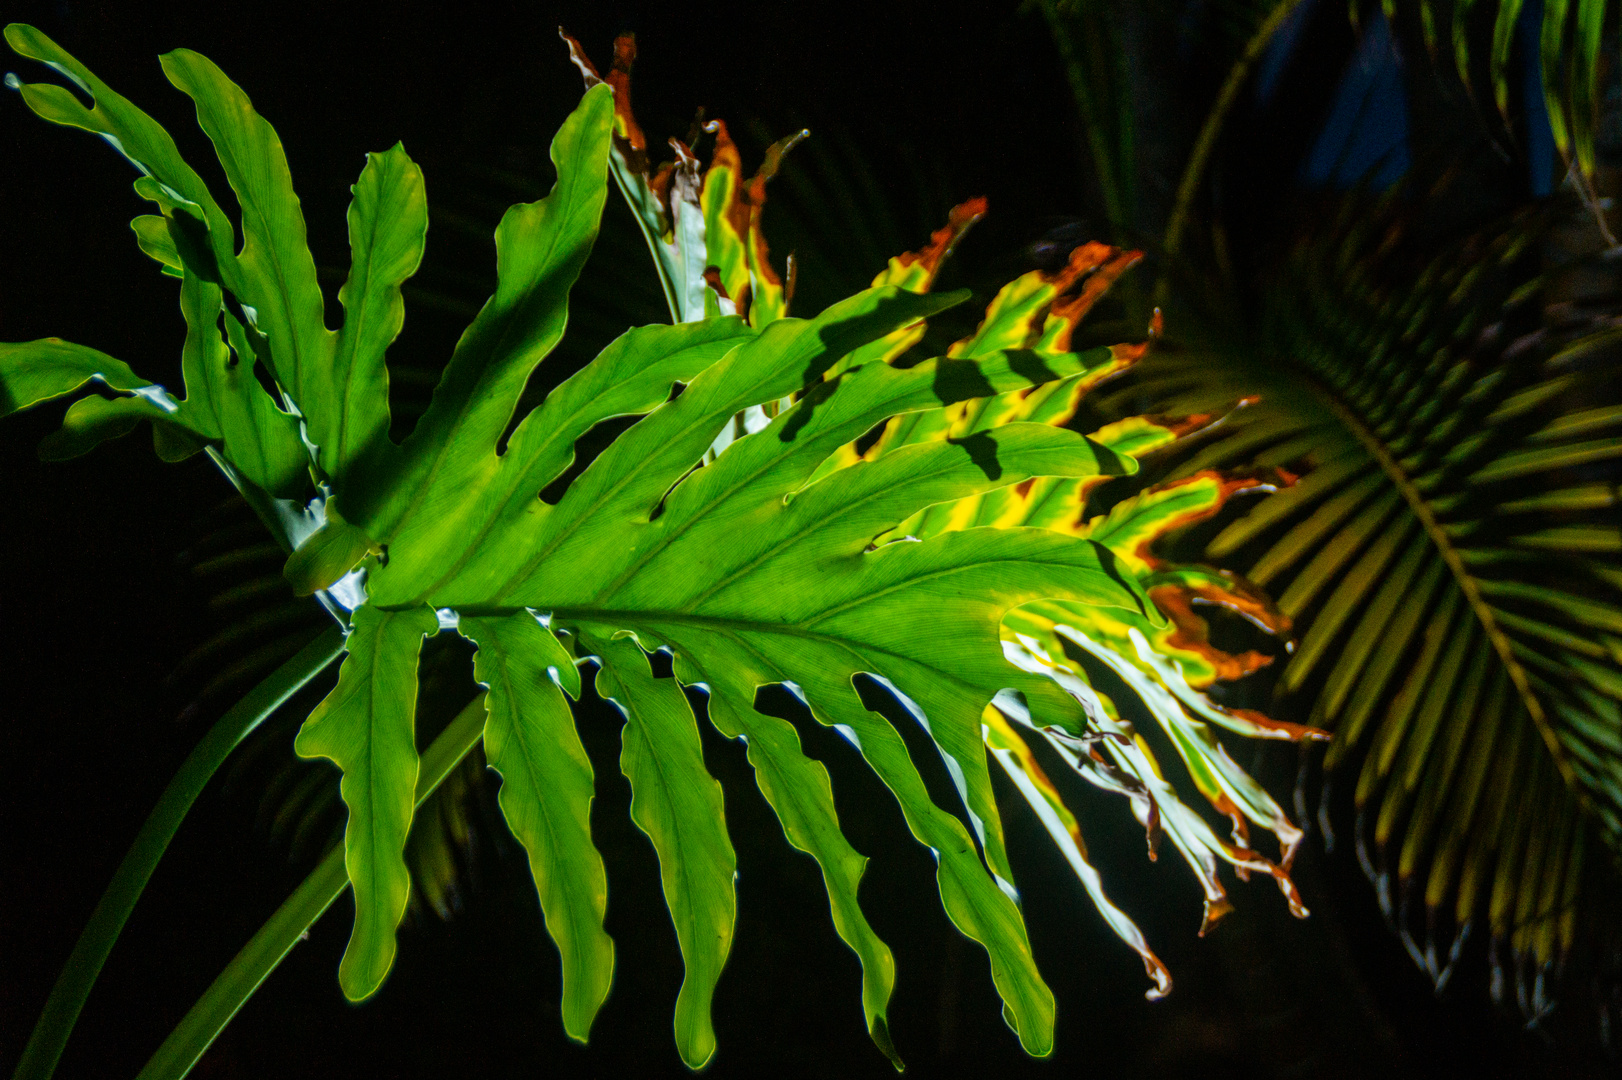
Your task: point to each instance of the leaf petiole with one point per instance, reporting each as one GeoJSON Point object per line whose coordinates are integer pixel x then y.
{"type": "Point", "coordinates": [78, 976]}
{"type": "Point", "coordinates": [267, 948]}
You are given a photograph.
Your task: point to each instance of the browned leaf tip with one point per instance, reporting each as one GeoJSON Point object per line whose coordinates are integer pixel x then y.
{"type": "Point", "coordinates": [633, 144]}
{"type": "Point", "coordinates": [1098, 267]}
{"type": "Point", "coordinates": [756, 194]}
{"type": "Point", "coordinates": [659, 183]}
{"type": "Point", "coordinates": [945, 238]}
{"type": "Point", "coordinates": [773, 162]}
{"type": "Point", "coordinates": [588, 71]}
{"type": "Point", "coordinates": [725, 158]}
{"type": "Point", "coordinates": [1152, 831]}
{"type": "Point", "coordinates": [1215, 910]}
{"type": "Point", "coordinates": [1229, 484]}
{"type": "Point", "coordinates": [1192, 633]}
{"type": "Point", "coordinates": [712, 278]}
{"type": "Point", "coordinates": [620, 79]}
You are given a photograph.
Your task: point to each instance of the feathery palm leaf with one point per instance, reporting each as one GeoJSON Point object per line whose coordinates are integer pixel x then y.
{"type": "Point", "coordinates": [1453, 561]}
{"type": "Point", "coordinates": [1570, 44]}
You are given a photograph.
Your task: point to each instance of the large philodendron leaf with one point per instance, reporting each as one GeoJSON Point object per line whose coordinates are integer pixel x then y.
{"type": "Point", "coordinates": [753, 569]}
{"type": "Point", "coordinates": [747, 523]}
{"type": "Point", "coordinates": [747, 566]}
{"type": "Point", "coordinates": [1169, 662]}
{"type": "Point", "coordinates": [1451, 558]}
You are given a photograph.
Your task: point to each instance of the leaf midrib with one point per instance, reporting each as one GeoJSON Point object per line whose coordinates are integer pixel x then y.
{"type": "Point", "coordinates": [609, 492]}
{"type": "Point", "coordinates": [1461, 575]}
{"type": "Point", "coordinates": [731, 627]}
{"type": "Point", "coordinates": [528, 755]}
{"type": "Point", "coordinates": [844, 509]}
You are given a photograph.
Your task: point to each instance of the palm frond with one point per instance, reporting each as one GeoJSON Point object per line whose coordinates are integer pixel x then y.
{"type": "Point", "coordinates": [1569, 52]}
{"type": "Point", "coordinates": [1452, 557]}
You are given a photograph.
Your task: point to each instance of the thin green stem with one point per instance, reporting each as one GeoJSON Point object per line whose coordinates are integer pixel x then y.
{"type": "Point", "coordinates": [1125, 136]}
{"type": "Point", "coordinates": [73, 986]}
{"type": "Point", "coordinates": [244, 975]}
{"type": "Point", "coordinates": [1194, 172]}
{"type": "Point", "coordinates": [1097, 137]}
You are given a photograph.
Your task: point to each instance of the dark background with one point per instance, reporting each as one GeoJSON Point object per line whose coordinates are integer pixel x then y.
{"type": "Point", "coordinates": [96, 610]}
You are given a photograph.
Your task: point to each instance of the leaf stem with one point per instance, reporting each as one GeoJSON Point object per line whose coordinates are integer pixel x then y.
{"type": "Point", "coordinates": [267, 948]}
{"type": "Point", "coordinates": [1194, 171]}
{"type": "Point", "coordinates": [1097, 138]}
{"type": "Point", "coordinates": [73, 986]}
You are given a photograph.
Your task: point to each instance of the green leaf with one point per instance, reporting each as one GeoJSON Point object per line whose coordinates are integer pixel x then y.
{"type": "Point", "coordinates": [327, 554]}
{"type": "Point", "coordinates": [546, 793]}
{"type": "Point", "coordinates": [261, 440]}
{"type": "Point", "coordinates": [127, 129]}
{"type": "Point", "coordinates": [365, 726]}
{"type": "Point", "coordinates": [275, 273]}
{"type": "Point", "coordinates": [32, 372]}
{"type": "Point", "coordinates": [799, 791]}
{"type": "Point", "coordinates": [388, 225]}
{"type": "Point", "coordinates": [1585, 75]}
{"type": "Point", "coordinates": [976, 906]}
{"type": "Point", "coordinates": [92, 420]}
{"type": "Point", "coordinates": [540, 249]}
{"type": "Point", "coordinates": [152, 236]}
{"type": "Point", "coordinates": [756, 560]}
{"type": "Point", "coordinates": [676, 802]}
{"type": "Point", "coordinates": [1503, 35]}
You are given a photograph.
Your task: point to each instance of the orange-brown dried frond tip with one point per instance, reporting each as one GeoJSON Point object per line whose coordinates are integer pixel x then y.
{"type": "Point", "coordinates": [1101, 275]}
{"type": "Point", "coordinates": [726, 156]}
{"type": "Point", "coordinates": [1192, 631]}
{"type": "Point", "coordinates": [944, 239]}
{"type": "Point", "coordinates": [712, 278]}
{"type": "Point", "coordinates": [588, 70]}
{"type": "Point", "coordinates": [772, 162]}
{"type": "Point", "coordinates": [1215, 911]}
{"type": "Point", "coordinates": [620, 79]}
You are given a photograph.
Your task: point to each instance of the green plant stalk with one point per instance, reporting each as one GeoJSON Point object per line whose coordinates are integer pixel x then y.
{"type": "Point", "coordinates": [1194, 171]}
{"type": "Point", "coordinates": [1097, 138]}
{"type": "Point", "coordinates": [1126, 140]}
{"type": "Point", "coordinates": [73, 986]}
{"type": "Point", "coordinates": [1108, 55]}
{"type": "Point", "coordinates": [267, 948]}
